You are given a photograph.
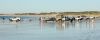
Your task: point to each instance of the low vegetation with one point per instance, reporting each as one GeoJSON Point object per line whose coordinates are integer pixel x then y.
{"type": "Point", "coordinates": [62, 13]}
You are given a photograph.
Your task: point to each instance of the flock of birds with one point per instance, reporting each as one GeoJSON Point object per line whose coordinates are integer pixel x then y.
{"type": "Point", "coordinates": [12, 19]}
{"type": "Point", "coordinates": [66, 18]}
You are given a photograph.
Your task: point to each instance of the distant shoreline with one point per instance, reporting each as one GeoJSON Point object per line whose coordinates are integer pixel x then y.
{"type": "Point", "coordinates": [86, 13]}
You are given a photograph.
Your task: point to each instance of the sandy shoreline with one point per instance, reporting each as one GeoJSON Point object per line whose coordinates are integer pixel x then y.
{"type": "Point", "coordinates": [50, 15]}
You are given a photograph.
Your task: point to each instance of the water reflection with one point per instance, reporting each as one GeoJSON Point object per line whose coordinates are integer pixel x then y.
{"type": "Point", "coordinates": [92, 24]}
{"type": "Point", "coordinates": [35, 29]}
{"type": "Point", "coordinates": [64, 25]}
{"type": "Point", "coordinates": [60, 25]}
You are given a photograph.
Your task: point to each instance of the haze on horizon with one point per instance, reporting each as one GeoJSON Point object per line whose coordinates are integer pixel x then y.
{"type": "Point", "coordinates": [29, 6]}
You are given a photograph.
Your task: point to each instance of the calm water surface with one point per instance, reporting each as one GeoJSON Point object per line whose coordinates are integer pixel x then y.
{"type": "Point", "coordinates": [34, 29]}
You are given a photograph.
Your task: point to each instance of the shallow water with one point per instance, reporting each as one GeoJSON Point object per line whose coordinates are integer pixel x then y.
{"type": "Point", "coordinates": [40, 30]}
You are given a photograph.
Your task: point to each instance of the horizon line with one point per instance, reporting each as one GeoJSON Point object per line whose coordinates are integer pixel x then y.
{"type": "Point", "coordinates": [48, 12]}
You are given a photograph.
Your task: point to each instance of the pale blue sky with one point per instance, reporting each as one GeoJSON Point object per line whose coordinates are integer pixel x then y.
{"type": "Point", "coordinates": [20, 6]}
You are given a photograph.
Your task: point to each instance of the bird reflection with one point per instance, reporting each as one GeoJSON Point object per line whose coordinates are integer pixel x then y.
{"type": "Point", "coordinates": [92, 24]}
{"type": "Point", "coordinates": [60, 25]}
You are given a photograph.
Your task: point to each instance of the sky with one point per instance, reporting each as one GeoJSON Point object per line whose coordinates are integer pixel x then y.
{"type": "Point", "coordinates": [31, 6]}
